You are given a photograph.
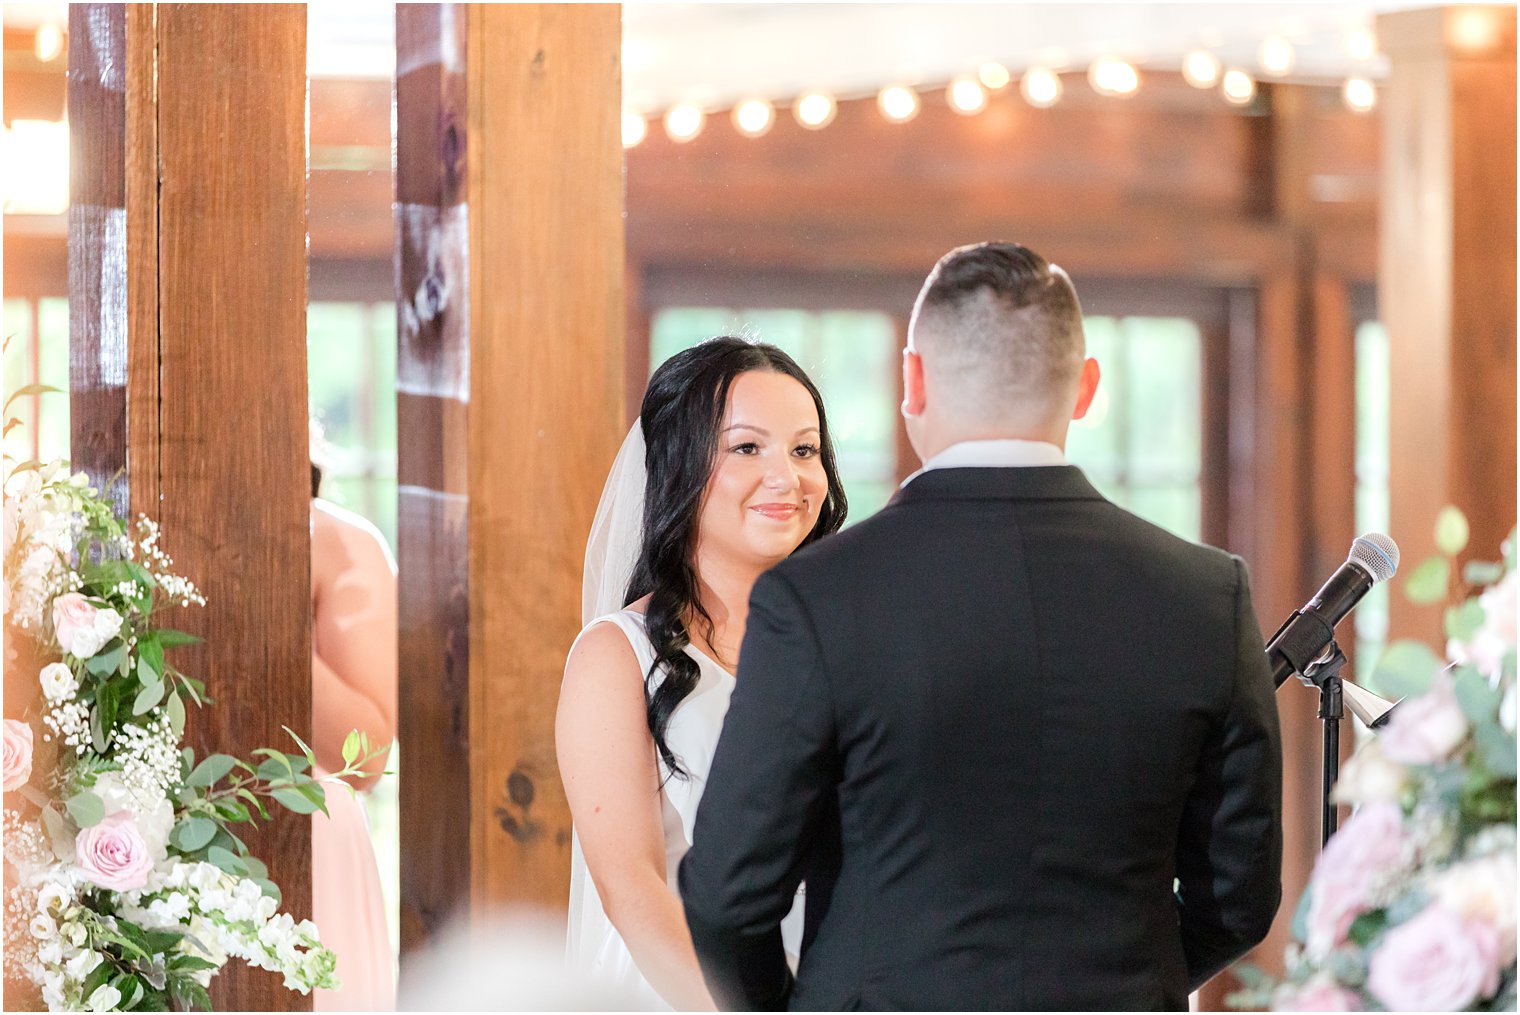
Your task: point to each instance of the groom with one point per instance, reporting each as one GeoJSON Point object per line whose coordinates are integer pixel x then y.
{"type": "Point", "coordinates": [1021, 745]}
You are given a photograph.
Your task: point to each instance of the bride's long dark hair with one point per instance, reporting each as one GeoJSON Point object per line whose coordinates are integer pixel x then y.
{"type": "Point", "coordinates": [681, 416]}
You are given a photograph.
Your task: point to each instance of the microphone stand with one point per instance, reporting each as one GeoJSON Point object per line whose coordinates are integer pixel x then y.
{"type": "Point", "coordinates": [1325, 673]}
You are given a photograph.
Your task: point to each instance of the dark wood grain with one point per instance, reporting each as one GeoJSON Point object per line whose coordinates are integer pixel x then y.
{"type": "Point", "coordinates": [232, 379]}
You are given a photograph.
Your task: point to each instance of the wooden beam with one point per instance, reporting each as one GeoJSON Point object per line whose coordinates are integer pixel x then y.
{"type": "Point", "coordinates": [228, 316]}
{"type": "Point", "coordinates": [1447, 280]}
{"type": "Point", "coordinates": [509, 184]}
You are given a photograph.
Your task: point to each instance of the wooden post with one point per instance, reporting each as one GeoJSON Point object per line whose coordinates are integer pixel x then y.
{"type": "Point", "coordinates": [510, 377]}
{"type": "Point", "coordinates": [187, 253]}
{"type": "Point", "coordinates": [1447, 281]}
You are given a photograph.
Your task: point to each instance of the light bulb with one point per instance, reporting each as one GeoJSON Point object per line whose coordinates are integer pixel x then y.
{"type": "Point", "coordinates": [634, 128]}
{"type": "Point", "coordinates": [753, 117]}
{"type": "Point", "coordinates": [48, 43]}
{"type": "Point", "coordinates": [1276, 56]}
{"type": "Point", "coordinates": [966, 96]}
{"type": "Point", "coordinates": [994, 75]}
{"type": "Point", "coordinates": [1238, 87]}
{"type": "Point", "coordinates": [1041, 87]}
{"type": "Point", "coordinates": [1361, 44]}
{"type": "Point", "coordinates": [1112, 76]}
{"type": "Point", "coordinates": [1359, 95]}
{"type": "Point", "coordinates": [898, 103]}
{"type": "Point", "coordinates": [1201, 69]}
{"type": "Point", "coordinates": [815, 110]}
{"type": "Point", "coordinates": [684, 122]}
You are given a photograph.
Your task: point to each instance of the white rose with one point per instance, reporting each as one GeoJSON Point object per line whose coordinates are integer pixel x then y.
{"type": "Point", "coordinates": [43, 927]}
{"type": "Point", "coordinates": [54, 897]}
{"type": "Point", "coordinates": [1371, 777]}
{"type": "Point", "coordinates": [1482, 889]}
{"type": "Point", "coordinates": [58, 683]}
{"type": "Point", "coordinates": [107, 624]}
{"type": "Point", "coordinates": [105, 998]}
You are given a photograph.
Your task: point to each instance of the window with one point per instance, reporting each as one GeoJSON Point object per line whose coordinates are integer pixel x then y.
{"type": "Point", "coordinates": [1141, 442]}
{"type": "Point", "coordinates": [1372, 386]}
{"type": "Point", "coordinates": [37, 352]}
{"type": "Point", "coordinates": [853, 358]}
{"type": "Point", "coordinates": [351, 375]}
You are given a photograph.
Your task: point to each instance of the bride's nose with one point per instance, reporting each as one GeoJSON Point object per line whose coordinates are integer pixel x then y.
{"type": "Point", "coordinates": [781, 475]}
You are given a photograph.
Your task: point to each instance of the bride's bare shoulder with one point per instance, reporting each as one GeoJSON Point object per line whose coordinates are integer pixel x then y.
{"type": "Point", "coordinates": [601, 653]}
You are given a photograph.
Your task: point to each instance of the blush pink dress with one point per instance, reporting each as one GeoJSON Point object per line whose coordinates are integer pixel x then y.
{"type": "Point", "coordinates": [354, 677]}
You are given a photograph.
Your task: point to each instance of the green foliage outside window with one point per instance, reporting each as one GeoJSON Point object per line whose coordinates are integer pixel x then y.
{"type": "Point", "coordinates": [39, 356]}
{"type": "Point", "coordinates": [1372, 386]}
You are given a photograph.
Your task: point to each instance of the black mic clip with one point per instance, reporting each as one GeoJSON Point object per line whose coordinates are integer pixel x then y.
{"type": "Point", "coordinates": [1303, 641]}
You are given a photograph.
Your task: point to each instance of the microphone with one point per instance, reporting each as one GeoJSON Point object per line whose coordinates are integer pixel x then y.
{"type": "Point", "coordinates": [1305, 635]}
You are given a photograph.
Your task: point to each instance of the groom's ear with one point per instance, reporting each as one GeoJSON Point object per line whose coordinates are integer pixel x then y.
{"type": "Point", "coordinates": [913, 384]}
{"type": "Point", "coordinates": [1087, 387]}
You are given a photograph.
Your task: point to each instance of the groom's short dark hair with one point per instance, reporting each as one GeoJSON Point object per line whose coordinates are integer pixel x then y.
{"type": "Point", "coordinates": [1000, 322]}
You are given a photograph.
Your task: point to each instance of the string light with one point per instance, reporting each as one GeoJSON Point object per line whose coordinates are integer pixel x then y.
{"type": "Point", "coordinates": [684, 122]}
{"type": "Point", "coordinates": [48, 43]}
{"type": "Point", "coordinates": [635, 129]}
{"type": "Point", "coordinates": [1201, 69]}
{"type": "Point", "coordinates": [1041, 87]}
{"type": "Point", "coordinates": [1359, 95]}
{"type": "Point", "coordinates": [1238, 87]}
{"type": "Point", "coordinates": [898, 103]}
{"type": "Point", "coordinates": [966, 96]}
{"type": "Point", "coordinates": [1112, 76]}
{"type": "Point", "coordinates": [754, 117]}
{"type": "Point", "coordinates": [815, 110]}
{"type": "Point", "coordinates": [1276, 56]}
{"type": "Point", "coordinates": [1361, 44]}
{"type": "Point", "coordinates": [994, 75]}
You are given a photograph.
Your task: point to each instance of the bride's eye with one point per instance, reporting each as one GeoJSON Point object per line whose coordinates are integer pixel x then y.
{"type": "Point", "coordinates": [747, 448]}
{"type": "Point", "coordinates": [806, 451]}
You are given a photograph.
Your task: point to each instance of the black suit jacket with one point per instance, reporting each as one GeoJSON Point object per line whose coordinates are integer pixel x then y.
{"type": "Point", "coordinates": [990, 726]}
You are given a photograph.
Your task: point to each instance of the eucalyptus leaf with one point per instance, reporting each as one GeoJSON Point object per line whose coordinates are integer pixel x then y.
{"type": "Point", "coordinates": [1406, 668]}
{"type": "Point", "coordinates": [99, 728]}
{"type": "Point", "coordinates": [193, 832]}
{"type": "Point", "coordinates": [1428, 582]}
{"type": "Point", "coordinates": [294, 800]}
{"type": "Point", "coordinates": [226, 860]}
{"type": "Point", "coordinates": [176, 710]}
{"type": "Point", "coordinates": [212, 770]}
{"type": "Point", "coordinates": [1451, 530]}
{"type": "Point", "coordinates": [150, 650]}
{"type": "Point", "coordinates": [85, 808]}
{"type": "Point", "coordinates": [1482, 572]}
{"type": "Point", "coordinates": [108, 658]}
{"type": "Point", "coordinates": [148, 698]}
{"type": "Point", "coordinates": [1480, 703]}
{"type": "Point", "coordinates": [1463, 620]}
{"type": "Point", "coordinates": [57, 829]}
{"type": "Point", "coordinates": [1497, 749]}
{"type": "Point", "coordinates": [269, 888]}
{"type": "Point", "coordinates": [146, 673]}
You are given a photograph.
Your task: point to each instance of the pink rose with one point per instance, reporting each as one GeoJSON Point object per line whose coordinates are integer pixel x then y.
{"type": "Point", "coordinates": [1321, 995]}
{"type": "Point", "coordinates": [1368, 847]}
{"type": "Point", "coordinates": [113, 853]}
{"type": "Point", "coordinates": [1426, 729]}
{"type": "Point", "coordinates": [82, 629]}
{"type": "Point", "coordinates": [1435, 961]}
{"type": "Point", "coordinates": [18, 754]}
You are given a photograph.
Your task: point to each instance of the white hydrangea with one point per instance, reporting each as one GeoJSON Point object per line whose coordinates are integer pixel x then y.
{"type": "Point", "coordinates": [58, 682]}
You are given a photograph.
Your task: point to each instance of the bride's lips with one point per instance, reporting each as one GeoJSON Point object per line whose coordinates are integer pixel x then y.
{"type": "Point", "coordinates": [780, 512]}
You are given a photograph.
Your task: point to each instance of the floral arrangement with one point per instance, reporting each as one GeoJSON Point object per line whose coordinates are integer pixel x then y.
{"type": "Point", "coordinates": [126, 886]}
{"type": "Point", "coordinates": [1411, 907]}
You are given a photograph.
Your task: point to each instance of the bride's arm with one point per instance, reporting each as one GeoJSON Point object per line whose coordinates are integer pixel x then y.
{"type": "Point", "coordinates": [606, 758]}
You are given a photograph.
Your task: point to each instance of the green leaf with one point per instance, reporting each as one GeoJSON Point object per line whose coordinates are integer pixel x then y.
{"type": "Point", "coordinates": [146, 672]}
{"type": "Point", "coordinates": [294, 800]}
{"type": "Point", "coordinates": [57, 828]}
{"type": "Point", "coordinates": [1482, 572]}
{"type": "Point", "coordinates": [269, 888]}
{"type": "Point", "coordinates": [189, 993]}
{"type": "Point", "coordinates": [351, 747]}
{"type": "Point", "coordinates": [1496, 748]}
{"type": "Point", "coordinates": [1366, 927]}
{"type": "Point", "coordinates": [1480, 703]}
{"type": "Point", "coordinates": [226, 860]}
{"type": "Point", "coordinates": [254, 802]}
{"type": "Point", "coordinates": [176, 710]}
{"type": "Point", "coordinates": [86, 809]}
{"type": "Point", "coordinates": [149, 650]}
{"type": "Point", "coordinates": [1451, 530]}
{"type": "Point", "coordinates": [131, 990]}
{"type": "Point", "coordinates": [148, 698]}
{"type": "Point", "coordinates": [163, 941]}
{"type": "Point", "coordinates": [212, 770]}
{"type": "Point", "coordinates": [97, 979]}
{"type": "Point", "coordinates": [310, 757]}
{"type": "Point", "coordinates": [1463, 621]}
{"type": "Point", "coordinates": [1428, 583]}
{"type": "Point", "coordinates": [231, 810]}
{"type": "Point", "coordinates": [192, 964]}
{"type": "Point", "coordinates": [107, 659]}
{"type": "Point", "coordinates": [256, 867]}
{"type": "Point", "coordinates": [1406, 668]}
{"type": "Point", "coordinates": [173, 639]}
{"type": "Point", "coordinates": [192, 833]}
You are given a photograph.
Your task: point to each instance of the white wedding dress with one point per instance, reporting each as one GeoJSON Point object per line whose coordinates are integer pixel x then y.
{"type": "Point", "coordinates": [594, 943]}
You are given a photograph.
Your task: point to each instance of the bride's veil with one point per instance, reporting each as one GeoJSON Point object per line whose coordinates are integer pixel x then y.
{"type": "Point", "coordinates": [612, 549]}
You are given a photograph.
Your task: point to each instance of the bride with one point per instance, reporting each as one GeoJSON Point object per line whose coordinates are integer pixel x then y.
{"type": "Point", "coordinates": [728, 470]}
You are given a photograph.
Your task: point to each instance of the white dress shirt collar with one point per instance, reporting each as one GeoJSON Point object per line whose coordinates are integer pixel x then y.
{"type": "Point", "coordinates": [993, 454]}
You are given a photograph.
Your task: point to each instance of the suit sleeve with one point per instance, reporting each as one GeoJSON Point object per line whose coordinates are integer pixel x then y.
{"type": "Point", "coordinates": [1229, 851]}
{"type": "Point", "coordinates": [772, 773]}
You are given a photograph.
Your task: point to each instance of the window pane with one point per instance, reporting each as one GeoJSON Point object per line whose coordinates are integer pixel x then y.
{"type": "Point", "coordinates": [335, 342]}
{"type": "Point", "coordinates": [20, 443]}
{"type": "Point", "coordinates": [1163, 380]}
{"type": "Point", "coordinates": [1174, 507]}
{"type": "Point", "coordinates": [1093, 442]}
{"type": "Point", "coordinates": [1372, 385]}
